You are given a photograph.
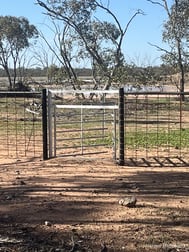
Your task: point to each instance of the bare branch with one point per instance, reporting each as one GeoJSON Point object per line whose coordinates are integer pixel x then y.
{"type": "Point", "coordinates": [155, 2]}
{"type": "Point", "coordinates": [111, 14]}
{"type": "Point", "coordinates": [161, 49]}
{"type": "Point", "coordinates": [138, 12]}
{"type": "Point", "coordinates": [163, 4]}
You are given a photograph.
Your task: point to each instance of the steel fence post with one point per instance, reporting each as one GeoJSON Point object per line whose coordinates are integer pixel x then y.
{"type": "Point", "coordinates": [121, 127]}
{"type": "Point", "coordinates": [44, 124]}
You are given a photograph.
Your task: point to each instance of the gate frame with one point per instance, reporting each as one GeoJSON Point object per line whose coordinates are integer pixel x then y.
{"type": "Point", "coordinates": [51, 110]}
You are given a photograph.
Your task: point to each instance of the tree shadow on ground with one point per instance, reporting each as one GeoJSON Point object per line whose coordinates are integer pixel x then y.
{"type": "Point", "coordinates": [55, 207]}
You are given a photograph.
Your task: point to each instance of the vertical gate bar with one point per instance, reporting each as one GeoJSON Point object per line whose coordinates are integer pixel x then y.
{"type": "Point", "coordinates": [16, 126]}
{"type": "Point", "coordinates": [103, 122]}
{"type": "Point", "coordinates": [25, 127]}
{"type": "Point", "coordinates": [104, 118]}
{"type": "Point", "coordinates": [121, 127]}
{"type": "Point", "coordinates": [114, 135]}
{"type": "Point", "coordinates": [32, 135]}
{"type": "Point", "coordinates": [54, 131]}
{"type": "Point", "coordinates": [169, 128]}
{"type": "Point", "coordinates": [33, 131]}
{"type": "Point", "coordinates": [44, 124]}
{"type": "Point", "coordinates": [147, 107]}
{"type": "Point", "coordinates": [7, 124]}
{"type": "Point", "coordinates": [158, 118]}
{"type": "Point", "coordinates": [50, 116]}
{"type": "Point", "coordinates": [81, 130]}
{"type": "Point", "coordinates": [137, 100]}
{"type": "Point", "coordinates": [181, 121]}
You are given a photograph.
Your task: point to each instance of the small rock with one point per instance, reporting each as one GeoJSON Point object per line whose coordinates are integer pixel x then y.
{"type": "Point", "coordinates": [19, 182]}
{"type": "Point", "coordinates": [48, 224]}
{"type": "Point", "coordinates": [10, 197]}
{"type": "Point", "coordinates": [128, 201]}
{"type": "Point", "coordinates": [6, 216]}
{"type": "Point", "coordinates": [104, 248]}
{"type": "Point", "coordinates": [22, 182]}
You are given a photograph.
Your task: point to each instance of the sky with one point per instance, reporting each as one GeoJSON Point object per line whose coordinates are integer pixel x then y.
{"type": "Point", "coordinates": [143, 30]}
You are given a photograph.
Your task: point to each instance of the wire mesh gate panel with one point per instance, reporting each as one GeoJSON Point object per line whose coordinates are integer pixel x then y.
{"type": "Point", "coordinates": [20, 124]}
{"type": "Point", "coordinates": [156, 129]}
{"type": "Point", "coordinates": [84, 130]}
{"type": "Point", "coordinates": [83, 126]}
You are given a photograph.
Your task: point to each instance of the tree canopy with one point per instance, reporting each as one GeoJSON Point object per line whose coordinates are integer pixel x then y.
{"type": "Point", "coordinates": [90, 37]}
{"type": "Point", "coordinates": [176, 35]}
{"type": "Point", "coordinates": [15, 33]}
{"type": "Point", "coordinates": [89, 33]}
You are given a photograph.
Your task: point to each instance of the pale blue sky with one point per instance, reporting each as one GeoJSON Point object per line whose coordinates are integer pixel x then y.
{"type": "Point", "coordinates": [143, 29]}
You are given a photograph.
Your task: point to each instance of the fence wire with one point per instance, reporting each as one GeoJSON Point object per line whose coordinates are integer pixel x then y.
{"type": "Point", "coordinates": [156, 128]}
{"type": "Point", "coordinates": [20, 124]}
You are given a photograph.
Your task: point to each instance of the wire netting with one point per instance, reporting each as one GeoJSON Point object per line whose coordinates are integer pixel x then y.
{"type": "Point", "coordinates": [156, 126]}
{"type": "Point", "coordinates": [156, 129]}
{"type": "Point", "coordinates": [20, 124]}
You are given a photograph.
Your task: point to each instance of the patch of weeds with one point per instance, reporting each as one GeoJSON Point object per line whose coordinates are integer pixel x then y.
{"type": "Point", "coordinates": [173, 138]}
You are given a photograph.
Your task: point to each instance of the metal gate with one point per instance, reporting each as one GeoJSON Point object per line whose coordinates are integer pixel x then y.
{"type": "Point", "coordinates": [83, 126]}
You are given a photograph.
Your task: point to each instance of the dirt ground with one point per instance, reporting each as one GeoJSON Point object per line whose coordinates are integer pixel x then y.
{"type": "Point", "coordinates": [71, 204]}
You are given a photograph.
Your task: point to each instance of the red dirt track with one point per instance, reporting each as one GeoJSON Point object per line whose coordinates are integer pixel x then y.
{"type": "Point", "coordinates": [71, 204]}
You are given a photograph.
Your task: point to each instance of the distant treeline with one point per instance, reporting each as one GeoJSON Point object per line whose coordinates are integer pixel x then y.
{"type": "Point", "coordinates": [131, 73]}
{"type": "Point", "coordinates": [41, 72]}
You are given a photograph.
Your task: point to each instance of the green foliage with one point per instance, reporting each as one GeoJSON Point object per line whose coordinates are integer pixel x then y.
{"type": "Point", "coordinates": [42, 72]}
{"type": "Point", "coordinates": [176, 35]}
{"type": "Point", "coordinates": [79, 10]}
{"type": "Point", "coordinates": [87, 37]}
{"type": "Point", "coordinates": [172, 138]}
{"type": "Point", "coordinates": [56, 74]}
{"type": "Point", "coordinates": [177, 25]}
{"type": "Point", "coordinates": [15, 34]}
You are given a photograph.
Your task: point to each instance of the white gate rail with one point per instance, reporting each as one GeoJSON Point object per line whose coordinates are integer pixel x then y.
{"type": "Point", "coordinates": [54, 109]}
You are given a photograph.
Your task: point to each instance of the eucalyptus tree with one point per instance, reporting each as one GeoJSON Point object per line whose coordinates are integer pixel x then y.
{"type": "Point", "coordinates": [15, 33]}
{"type": "Point", "coordinates": [176, 35]}
{"type": "Point", "coordinates": [87, 37]}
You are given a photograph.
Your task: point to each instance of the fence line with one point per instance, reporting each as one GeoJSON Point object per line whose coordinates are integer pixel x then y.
{"type": "Point", "coordinates": [149, 127]}
{"type": "Point", "coordinates": [156, 128]}
{"type": "Point", "coordinates": [20, 124]}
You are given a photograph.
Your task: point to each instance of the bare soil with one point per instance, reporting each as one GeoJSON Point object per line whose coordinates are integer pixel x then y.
{"type": "Point", "coordinates": [71, 204]}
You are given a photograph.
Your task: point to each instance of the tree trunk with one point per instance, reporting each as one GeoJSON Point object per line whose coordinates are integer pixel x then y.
{"type": "Point", "coordinates": [9, 77]}
{"type": "Point", "coordinates": [181, 68]}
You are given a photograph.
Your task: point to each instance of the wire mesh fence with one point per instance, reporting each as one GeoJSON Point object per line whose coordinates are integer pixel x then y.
{"type": "Point", "coordinates": [156, 128]}
{"type": "Point", "coordinates": [20, 124]}
{"type": "Point", "coordinates": [156, 125]}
